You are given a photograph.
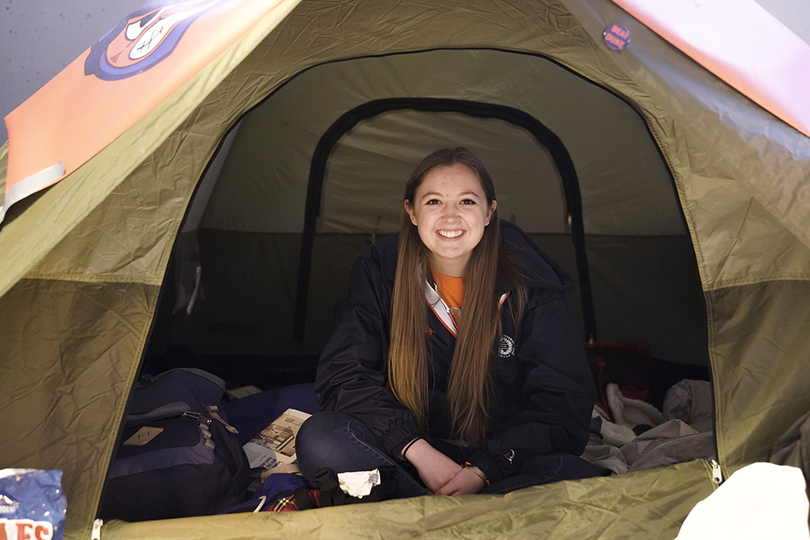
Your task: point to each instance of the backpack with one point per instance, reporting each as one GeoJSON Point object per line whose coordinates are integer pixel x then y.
{"type": "Point", "coordinates": [178, 456]}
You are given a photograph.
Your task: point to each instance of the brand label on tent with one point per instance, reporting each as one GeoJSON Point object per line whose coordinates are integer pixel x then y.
{"type": "Point", "coordinates": [616, 37]}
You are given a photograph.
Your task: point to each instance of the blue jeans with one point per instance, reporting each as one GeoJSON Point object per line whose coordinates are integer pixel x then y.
{"type": "Point", "coordinates": [343, 443]}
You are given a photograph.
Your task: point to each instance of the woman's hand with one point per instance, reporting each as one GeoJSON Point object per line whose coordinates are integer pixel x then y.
{"type": "Point", "coordinates": [434, 468]}
{"type": "Point", "coordinates": [467, 481]}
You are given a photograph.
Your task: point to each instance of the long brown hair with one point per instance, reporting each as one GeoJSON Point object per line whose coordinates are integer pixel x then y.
{"type": "Point", "coordinates": [470, 388]}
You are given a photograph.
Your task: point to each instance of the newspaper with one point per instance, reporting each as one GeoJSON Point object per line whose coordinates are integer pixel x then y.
{"type": "Point", "coordinates": [274, 447]}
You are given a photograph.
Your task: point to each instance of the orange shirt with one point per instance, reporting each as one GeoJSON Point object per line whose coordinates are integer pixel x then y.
{"type": "Point", "coordinates": [451, 289]}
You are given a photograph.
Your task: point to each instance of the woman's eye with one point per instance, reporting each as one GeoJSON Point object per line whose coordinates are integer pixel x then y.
{"type": "Point", "coordinates": [468, 201]}
{"type": "Point", "coordinates": [433, 201]}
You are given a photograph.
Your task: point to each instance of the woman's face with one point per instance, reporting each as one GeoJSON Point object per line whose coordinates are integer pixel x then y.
{"type": "Point", "coordinates": [450, 211]}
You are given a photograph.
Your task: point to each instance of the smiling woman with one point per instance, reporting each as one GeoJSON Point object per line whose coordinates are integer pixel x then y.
{"type": "Point", "coordinates": [456, 358]}
{"type": "Point", "coordinates": [450, 211]}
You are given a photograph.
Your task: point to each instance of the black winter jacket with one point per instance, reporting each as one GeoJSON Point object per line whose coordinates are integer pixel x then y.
{"type": "Point", "coordinates": [545, 389]}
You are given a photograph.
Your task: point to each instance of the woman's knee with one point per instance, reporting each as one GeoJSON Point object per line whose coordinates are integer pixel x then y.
{"type": "Point", "coordinates": [321, 427]}
{"type": "Point", "coordinates": [316, 438]}
{"type": "Point", "coordinates": [336, 441]}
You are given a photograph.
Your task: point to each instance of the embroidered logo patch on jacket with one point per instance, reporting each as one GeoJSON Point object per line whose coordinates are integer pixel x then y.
{"type": "Point", "coordinates": [507, 347]}
{"type": "Point", "coordinates": [509, 455]}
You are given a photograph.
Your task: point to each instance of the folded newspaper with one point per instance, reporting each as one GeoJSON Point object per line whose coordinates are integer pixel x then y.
{"type": "Point", "coordinates": [274, 448]}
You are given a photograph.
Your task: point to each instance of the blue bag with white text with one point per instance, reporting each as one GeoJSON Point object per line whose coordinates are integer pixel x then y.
{"type": "Point", "coordinates": [32, 504]}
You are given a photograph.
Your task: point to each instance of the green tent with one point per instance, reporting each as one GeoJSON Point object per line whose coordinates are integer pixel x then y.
{"type": "Point", "coordinates": [681, 206]}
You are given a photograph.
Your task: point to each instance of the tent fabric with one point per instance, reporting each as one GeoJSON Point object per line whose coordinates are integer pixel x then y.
{"type": "Point", "coordinates": [65, 403]}
{"type": "Point", "coordinates": [753, 398]}
{"type": "Point", "coordinates": [85, 260]}
{"type": "Point", "coordinates": [593, 508]}
{"type": "Point", "coordinates": [310, 103]}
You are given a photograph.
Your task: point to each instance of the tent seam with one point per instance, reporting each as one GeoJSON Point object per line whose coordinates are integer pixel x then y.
{"type": "Point", "coordinates": [716, 401]}
{"type": "Point", "coordinates": [92, 278]}
{"type": "Point", "coordinates": [727, 284]}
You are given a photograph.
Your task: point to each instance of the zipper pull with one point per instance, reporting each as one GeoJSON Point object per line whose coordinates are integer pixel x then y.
{"type": "Point", "coordinates": [717, 474]}
{"type": "Point", "coordinates": [196, 416]}
{"type": "Point", "coordinates": [213, 411]}
{"type": "Point", "coordinates": [96, 533]}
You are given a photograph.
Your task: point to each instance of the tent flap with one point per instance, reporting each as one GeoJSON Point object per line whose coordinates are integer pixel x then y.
{"type": "Point", "coordinates": [67, 350]}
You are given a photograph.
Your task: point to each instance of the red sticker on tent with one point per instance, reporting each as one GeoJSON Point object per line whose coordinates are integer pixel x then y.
{"type": "Point", "coordinates": [616, 37]}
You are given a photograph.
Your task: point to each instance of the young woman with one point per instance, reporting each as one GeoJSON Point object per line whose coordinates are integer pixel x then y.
{"type": "Point", "coordinates": [456, 357]}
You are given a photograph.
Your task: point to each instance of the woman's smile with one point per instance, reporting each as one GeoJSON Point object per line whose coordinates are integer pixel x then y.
{"type": "Point", "coordinates": [450, 211]}
{"type": "Point", "coordinates": [450, 235]}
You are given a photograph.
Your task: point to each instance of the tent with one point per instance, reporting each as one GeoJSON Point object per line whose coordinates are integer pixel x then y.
{"type": "Point", "coordinates": [681, 206]}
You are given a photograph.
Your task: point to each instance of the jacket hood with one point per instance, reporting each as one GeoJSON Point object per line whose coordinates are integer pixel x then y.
{"type": "Point", "coordinates": [539, 269]}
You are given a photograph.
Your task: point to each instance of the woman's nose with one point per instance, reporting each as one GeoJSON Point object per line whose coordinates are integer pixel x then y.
{"type": "Point", "coordinates": [450, 210]}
